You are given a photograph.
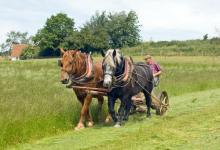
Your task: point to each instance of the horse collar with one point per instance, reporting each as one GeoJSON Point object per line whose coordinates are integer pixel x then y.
{"type": "Point", "coordinates": [89, 73]}
{"type": "Point", "coordinates": [124, 78]}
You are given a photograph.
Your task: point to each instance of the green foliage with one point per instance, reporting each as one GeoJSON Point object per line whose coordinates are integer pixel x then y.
{"type": "Point", "coordinates": [205, 37]}
{"type": "Point", "coordinates": [30, 52]}
{"type": "Point", "coordinates": [103, 31]}
{"type": "Point", "coordinates": [95, 33]}
{"type": "Point", "coordinates": [74, 41]}
{"type": "Point", "coordinates": [123, 29]}
{"type": "Point", "coordinates": [15, 37]}
{"type": "Point", "coordinates": [53, 34]}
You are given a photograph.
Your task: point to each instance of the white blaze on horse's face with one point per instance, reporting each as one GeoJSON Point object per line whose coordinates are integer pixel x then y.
{"type": "Point", "coordinates": [109, 66]}
{"type": "Point", "coordinates": [108, 75]}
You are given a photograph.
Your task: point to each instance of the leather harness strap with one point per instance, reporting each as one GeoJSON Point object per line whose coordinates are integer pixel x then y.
{"type": "Point", "coordinates": [124, 79]}
{"type": "Point", "coordinates": [89, 73]}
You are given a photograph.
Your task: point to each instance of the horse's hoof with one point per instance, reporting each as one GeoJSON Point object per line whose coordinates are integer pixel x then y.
{"type": "Point", "coordinates": [90, 124]}
{"type": "Point", "coordinates": [125, 118]}
{"type": "Point", "coordinates": [117, 125]}
{"type": "Point", "coordinates": [148, 115]}
{"type": "Point", "coordinates": [79, 127]}
{"type": "Point", "coordinates": [107, 120]}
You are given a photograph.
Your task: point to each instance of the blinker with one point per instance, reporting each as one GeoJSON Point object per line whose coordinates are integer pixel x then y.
{"type": "Point", "coordinates": [59, 63]}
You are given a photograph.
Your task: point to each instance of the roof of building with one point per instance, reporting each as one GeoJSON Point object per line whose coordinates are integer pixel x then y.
{"type": "Point", "coordinates": [17, 49]}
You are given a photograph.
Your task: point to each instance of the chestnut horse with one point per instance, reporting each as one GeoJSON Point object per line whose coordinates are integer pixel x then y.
{"type": "Point", "coordinates": [78, 68]}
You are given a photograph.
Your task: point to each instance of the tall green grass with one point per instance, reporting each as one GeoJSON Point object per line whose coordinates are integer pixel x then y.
{"type": "Point", "coordinates": [34, 104]}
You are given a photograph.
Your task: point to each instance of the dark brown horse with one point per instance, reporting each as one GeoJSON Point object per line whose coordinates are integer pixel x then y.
{"type": "Point", "coordinates": [78, 68]}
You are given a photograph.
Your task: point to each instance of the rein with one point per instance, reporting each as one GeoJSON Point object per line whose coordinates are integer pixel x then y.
{"type": "Point", "coordinates": [125, 78]}
{"type": "Point", "coordinates": [163, 105]}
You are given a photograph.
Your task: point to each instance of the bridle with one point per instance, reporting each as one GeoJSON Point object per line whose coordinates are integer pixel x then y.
{"type": "Point", "coordinates": [84, 77]}
{"type": "Point", "coordinates": [122, 76]}
{"type": "Point", "coordinates": [104, 67]}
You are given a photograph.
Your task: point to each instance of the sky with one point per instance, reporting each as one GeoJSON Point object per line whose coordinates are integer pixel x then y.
{"type": "Point", "coordinates": [159, 19]}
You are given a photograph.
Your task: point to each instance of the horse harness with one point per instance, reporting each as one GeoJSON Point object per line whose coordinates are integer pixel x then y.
{"type": "Point", "coordinates": [88, 75]}
{"type": "Point", "coordinates": [124, 78]}
{"type": "Point", "coordinates": [127, 76]}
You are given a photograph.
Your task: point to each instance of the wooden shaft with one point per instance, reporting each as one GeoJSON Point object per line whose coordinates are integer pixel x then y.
{"type": "Point", "coordinates": [96, 92]}
{"type": "Point", "coordinates": [90, 88]}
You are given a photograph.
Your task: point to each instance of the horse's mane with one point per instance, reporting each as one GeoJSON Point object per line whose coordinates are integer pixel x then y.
{"type": "Point", "coordinates": [109, 58]}
{"type": "Point", "coordinates": [78, 57]}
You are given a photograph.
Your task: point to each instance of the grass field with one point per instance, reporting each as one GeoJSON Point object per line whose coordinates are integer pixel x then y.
{"type": "Point", "coordinates": [193, 122]}
{"type": "Point", "coordinates": [33, 104]}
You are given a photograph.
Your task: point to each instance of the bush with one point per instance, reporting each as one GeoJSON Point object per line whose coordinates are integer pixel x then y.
{"type": "Point", "coordinates": [30, 52]}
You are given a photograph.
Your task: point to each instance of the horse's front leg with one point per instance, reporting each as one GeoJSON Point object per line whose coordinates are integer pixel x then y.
{"type": "Point", "coordinates": [120, 114]}
{"type": "Point", "coordinates": [89, 118]}
{"type": "Point", "coordinates": [84, 112]}
{"type": "Point", "coordinates": [128, 105]}
{"type": "Point", "coordinates": [111, 106]}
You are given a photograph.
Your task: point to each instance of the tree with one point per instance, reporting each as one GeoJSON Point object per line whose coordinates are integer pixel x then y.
{"type": "Point", "coordinates": [123, 29]}
{"type": "Point", "coordinates": [73, 41]}
{"type": "Point", "coordinates": [30, 52]}
{"type": "Point", "coordinates": [15, 37]}
{"type": "Point", "coordinates": [205, 37]}
{"type": "Point", "coordinates": [112, 30]}
{"type": "Point", "coordinates": [53, 34]}
{"type": "Point", "coordinates": [95, 36]}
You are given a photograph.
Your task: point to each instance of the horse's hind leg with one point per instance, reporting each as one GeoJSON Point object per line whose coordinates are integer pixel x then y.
{"type": "Point", "coordinates": [148, 99]}
{"type": "Point", "coordinates": [100, 103]}
{"type": "Point", "coordinates": [148, 103]}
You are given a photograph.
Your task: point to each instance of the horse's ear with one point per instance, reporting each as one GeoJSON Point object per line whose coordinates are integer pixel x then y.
{"type": "Point", "coordinates": [103, 53]}
{"type": "Point", "coordinates": [131, 59]}
{"type": "Point", "coordinates": [114, 53]}
{"type": "Point", "coordinates": [62, 51]}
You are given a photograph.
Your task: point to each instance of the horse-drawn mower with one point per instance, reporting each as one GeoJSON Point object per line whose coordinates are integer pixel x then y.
{"type": "Point", "coordinates": [160, 100]}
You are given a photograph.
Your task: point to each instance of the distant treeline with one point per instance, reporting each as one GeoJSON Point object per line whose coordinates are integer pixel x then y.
{"type": "Point", "coordinates": [103, 31]}
{"type": "Point", "coordinates": [207, 47]}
